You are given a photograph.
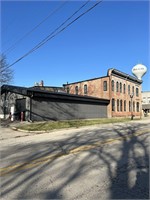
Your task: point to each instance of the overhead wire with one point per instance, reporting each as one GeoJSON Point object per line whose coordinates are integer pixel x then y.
{"type": "Point", "coordinates": [53, 34]}
{"type": "Point", "coordinates": [12, 47]}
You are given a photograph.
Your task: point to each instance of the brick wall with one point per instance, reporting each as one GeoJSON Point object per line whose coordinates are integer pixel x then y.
{"type": "Point", "coordinates": [96, 88]}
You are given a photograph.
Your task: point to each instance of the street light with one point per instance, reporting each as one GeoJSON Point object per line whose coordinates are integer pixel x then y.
{"type": "Point", "coordinates": [131, 96]}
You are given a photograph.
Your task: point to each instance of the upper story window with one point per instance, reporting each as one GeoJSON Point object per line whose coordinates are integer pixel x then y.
{"type": "Point", "coordinates": [85, 89]}
{"type": "Point", "coordinates": [105, 85]}
{"type": "Point", "coordinates": [76, 90]}
{"type": "Point", "coordinates": [132, 89]}
{"type": "Point", "coordinates": [120, 87]}
{"type": "Point", "coordinates": [117, 86]}
{"type": "Point", "coordinates": [124, 88]}
{"type": "Point", "coordinates": [129, 89]}
{"type": "Point", "coordinates": [112, 85]}
{"type": "Point", "coordinates": [137, 92]}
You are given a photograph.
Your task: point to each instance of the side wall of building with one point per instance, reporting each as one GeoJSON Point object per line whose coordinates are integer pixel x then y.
{"type": "Point", "coordinates": [95, 88]}
{"type": "Point", "coordinates": [125, 97]}
{"type": "Point", "coordinates": [48, 109]}
{"type": "Point", "coordinates": [124, 94]}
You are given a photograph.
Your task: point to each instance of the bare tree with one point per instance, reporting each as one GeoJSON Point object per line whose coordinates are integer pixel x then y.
{"type": "Point", "coordinates": [6, 73]}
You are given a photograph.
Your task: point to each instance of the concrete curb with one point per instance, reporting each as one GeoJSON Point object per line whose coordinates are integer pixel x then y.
{"type": "Point", "coordinates": [26, 131]}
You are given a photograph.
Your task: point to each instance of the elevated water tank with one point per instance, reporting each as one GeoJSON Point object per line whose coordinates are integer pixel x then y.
{"type": "Point", "coordinates": [139, 70]}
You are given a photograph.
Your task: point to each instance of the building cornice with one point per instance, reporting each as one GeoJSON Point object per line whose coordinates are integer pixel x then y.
{"type": "Point", "coordinates": [120, 74]}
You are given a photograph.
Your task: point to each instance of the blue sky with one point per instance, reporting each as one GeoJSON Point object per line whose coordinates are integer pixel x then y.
{"type": "Point", "coordinates": [115, 34]}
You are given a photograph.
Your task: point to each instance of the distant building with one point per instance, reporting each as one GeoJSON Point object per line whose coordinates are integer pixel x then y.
{"type": "Point", "coordinates": [123, 91]}
{"type": "Point", "coordinates": [146, 102]}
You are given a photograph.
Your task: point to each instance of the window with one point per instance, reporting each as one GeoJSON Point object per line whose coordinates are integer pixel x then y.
{"type": "Point", "coordinates": [85, 89]}
{"type": "Point", "coordinates": [133, 90]}
{"type": "Point", "coordinates": [120, 87]}
{"type": "Point", "coordinates": [125, 105]}
{"type": "Point", "coordinates": [76, 90]}
{"type": "Point", "coordinates": [129, 89]}
{"type": "Point", "coordinates": [112, 85]}
{"type": "Point", "coordinates": [118, 105]}
{"type": "Point", "coordinates": [133, 106]}
{"type": "Point", "coordinates": [129, 106]}
{"type": "Point", "coordinates": [137, 107]}
{"type": "Point", "coordinates": [137, 92]}
{"type": "Point", "coordinates": [121, 105]}
{"type": "Point", "coordinates": [124, 88]}
{"type": "Point", "coordinates": [117, 87]}
{"type": "Point", "coordinates": [113, 104]}
{"type": "Point", "coordinates": [105, 85]}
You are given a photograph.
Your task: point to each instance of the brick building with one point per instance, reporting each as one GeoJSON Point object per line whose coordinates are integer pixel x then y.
{"type": "Point", "coordinates": [123, 91]}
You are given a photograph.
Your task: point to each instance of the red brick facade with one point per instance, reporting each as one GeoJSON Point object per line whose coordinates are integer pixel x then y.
{"type": "Point", "coordinates": [123, 91]}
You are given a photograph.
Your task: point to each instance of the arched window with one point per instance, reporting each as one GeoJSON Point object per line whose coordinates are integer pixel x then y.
{"type": "Point", "coordinates": [117, 86]}
{"type": "Point", "coordinates": [129, 89]}
{"type": "Point", "coordinates": [120, 87]}
{"type": "Point", "coordinates": [121, 105]}
{"type": "Point", "coordinates": [124, 88]}
{"type": "Point", "coordinates": [133, 90]}
{"type": "Point", "coordinates": [105, 85]}
{"type": "Point", "coordinates": [76, 90]}
{"type": "Point", "coordinates": [113, 104]}
{"type": "Point", "coordinates": [133, 106]}
{"type": "Point", "coordinates": [137, 107]}
{"type": "Point", "coordinates": [125, 106]}
{"type": "Point", "coordinates": [129, 106]}
{"type": "Point", "coordinates": [112, 85]}
{"type": "Point", "coordinates": [85, 89]}
{"type": "Point", "coordinates": [118, 105]}
{"type": "Point", "coordinates": [137, 92]}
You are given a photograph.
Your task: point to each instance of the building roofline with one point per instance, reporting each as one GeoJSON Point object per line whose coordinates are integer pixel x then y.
{"type": "Point", "coordinates": [91, 79]}
{"type": "Point", "coordinates": [53, 95]}
{"type": "Point", "coordinates": [113, 71]}
{"type": "Point", "coordinates": [66, 96]}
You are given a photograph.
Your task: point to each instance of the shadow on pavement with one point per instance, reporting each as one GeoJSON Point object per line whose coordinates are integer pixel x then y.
{"type": "Point", "coordinates": [128, 180]}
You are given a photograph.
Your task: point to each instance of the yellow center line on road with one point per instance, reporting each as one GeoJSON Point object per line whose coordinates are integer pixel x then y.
{"type": "Point", "coordinates": [45, 159]}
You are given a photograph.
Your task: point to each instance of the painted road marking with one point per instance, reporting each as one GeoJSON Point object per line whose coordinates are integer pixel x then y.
{"type": "Point", "coordinates": [45, 159]}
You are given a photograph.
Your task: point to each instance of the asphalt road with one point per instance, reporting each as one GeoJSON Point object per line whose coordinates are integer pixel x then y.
{"type": "Point", "coordinates": [96, 162]}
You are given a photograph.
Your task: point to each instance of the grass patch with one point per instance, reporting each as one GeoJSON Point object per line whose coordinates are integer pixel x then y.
{"type": "Point", "coordinates": [49, 125]}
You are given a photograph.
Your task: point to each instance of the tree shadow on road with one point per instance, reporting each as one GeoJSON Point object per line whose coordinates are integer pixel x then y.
{"type": "Point", "coordinates": [131, 179]}
{"type": "Point", "coordinates": [127, 170]}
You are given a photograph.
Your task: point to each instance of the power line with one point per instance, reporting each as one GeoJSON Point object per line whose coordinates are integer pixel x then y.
{"type": "Point", "coordinates": [49, 37]}
{"type": "Point", "coordinates": [12, 47]}
{"type": "Point", "coordinates": [53, 32]}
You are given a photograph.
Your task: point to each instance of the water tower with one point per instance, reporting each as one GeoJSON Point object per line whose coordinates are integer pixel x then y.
{"type": "Point", "coordinates": [139, 70]}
